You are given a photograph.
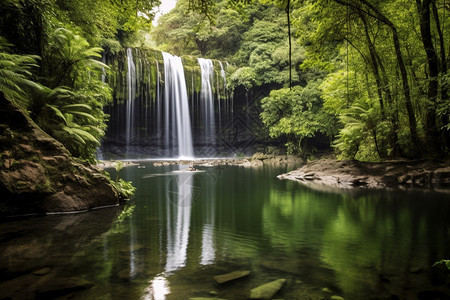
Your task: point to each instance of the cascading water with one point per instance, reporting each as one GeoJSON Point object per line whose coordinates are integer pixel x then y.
{"type": "Point", "coordinates": [158, 105]}
{"type": "Point", "coordinates": [207, 100]}
{"type": "Point", "coordinates": [151, 115]}
{"type": "Point", "coordinates": [131, 95]}
{"type": "Point", "coordinates": [224, 93]}
{"type": "Point", "coordinates": [176, 107]}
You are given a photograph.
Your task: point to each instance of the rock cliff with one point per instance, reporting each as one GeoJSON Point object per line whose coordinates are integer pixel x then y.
{"type": "Point", "coordinates": [38, 175]}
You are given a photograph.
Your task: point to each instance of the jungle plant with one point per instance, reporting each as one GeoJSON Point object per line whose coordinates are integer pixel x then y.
{"type": "Point", "coordinates": [125, 188]}
{"type": "Point", "coordinates": [15, 73]}
{"type": "Point", "coordinates": [71, 108]}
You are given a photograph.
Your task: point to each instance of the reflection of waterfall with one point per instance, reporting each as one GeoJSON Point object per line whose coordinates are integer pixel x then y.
{"type": "Point", "coordinates": [207, 100]}
{"type": "Point", "coordinates": [178, 220]}
{"type": "Point", "coordinates": [176, 107]}
{"type": "Point", "coordinates": [208, 250]}
{"type": "Point", "coordinates": [157, 290]}
{"type": "Point", "coordinates": [131, 89]}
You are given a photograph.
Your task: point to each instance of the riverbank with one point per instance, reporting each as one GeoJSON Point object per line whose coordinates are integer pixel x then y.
{"type": "Point", "coordinates": [351, 174]}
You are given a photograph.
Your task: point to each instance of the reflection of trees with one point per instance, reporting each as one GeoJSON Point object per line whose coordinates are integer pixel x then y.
{"type": "Point", "coordinates": [294, 218]}
{"type": "Point", "coordinates": [374, 242]}
{"type": "Point", "coordinates": [51, 242]}
{"type": "Point", "coordinates": [380, 241]}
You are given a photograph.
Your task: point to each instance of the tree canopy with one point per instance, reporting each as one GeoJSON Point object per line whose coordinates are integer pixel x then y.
{"type": "Point", "coordinates": [378, 67]}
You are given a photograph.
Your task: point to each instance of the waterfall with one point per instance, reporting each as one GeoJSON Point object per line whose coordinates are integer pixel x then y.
{"type": "Point", "coordinates": [177, 107]}
{"type": "Point", "coordinates": [224, 77]}
{"type": "Point", "coordinates": [131, 95]}
{"type": "Point", "coordinates": [158, 105]}
{"type": "Point", "coordinates": [224, 97]}
{"type": "Point", "coordinates": [164, 107]}
{"type": "Point", "coordinates": [207, 100]}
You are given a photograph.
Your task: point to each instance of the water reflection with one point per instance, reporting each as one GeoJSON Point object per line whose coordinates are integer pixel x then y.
{"type": "Point", "coordinates": [209, 208]}
{"type": "Point", "coordinates": [179, 205]}
{"type": "Point", "coordinates": [184, 228]}
{"type": "Point", "coordinates": [157, 290]}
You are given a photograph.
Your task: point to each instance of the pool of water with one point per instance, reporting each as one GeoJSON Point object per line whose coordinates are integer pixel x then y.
{"type": "Point", "coordinates": [184, 228]}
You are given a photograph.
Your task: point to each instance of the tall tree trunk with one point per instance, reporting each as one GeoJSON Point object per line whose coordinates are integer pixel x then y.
{"type": "Point", "coordinates": [392, 109]}
{"type": "Point", "coordinates": [443, 64]}
{"type": "Point", "coordinates": [374, 64]}
{"type": "Point", "coordinates": [288, 12]}
{"type": "Point", "coordinates": [441, 37]}
{"type": "Point", "coordinates": [431, 131]}
{"type": "Point", "coordinates": [375, 13]}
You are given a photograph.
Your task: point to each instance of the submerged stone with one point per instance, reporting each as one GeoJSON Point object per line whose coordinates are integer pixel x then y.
{"type": "Point", "coordinates": [43, 271]}
{"type": "Point", "coordinates": [62, 286]}
{"type": "Point", "coordinates": [231, 276]}
{"type": "Point", "coordinates": [268, 290]}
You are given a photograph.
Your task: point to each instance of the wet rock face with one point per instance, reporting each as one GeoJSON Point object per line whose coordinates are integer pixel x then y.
{"type": "Point", "coordinates": [38, 175]}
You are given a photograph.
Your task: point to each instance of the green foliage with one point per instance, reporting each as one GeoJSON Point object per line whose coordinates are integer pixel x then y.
{"type": "Point", "coordinates": [244, 76]}
{"type": "Point", "coordinates": [252, 37]}
{"type": "Point", "coordinates": [15, 73]}
{"type": "Point", "coordinates": [125, 188]}
{"type": "Point", "coordinates": [72, 110]}
{"type": "Point", "coordinates": [296, 114]}
{"type": "Point", "coordinates": [70, 59]}
{"type": "Point", "coordinates": [443, 261]}
{"type": "Point", "coordinates": [363, 130]}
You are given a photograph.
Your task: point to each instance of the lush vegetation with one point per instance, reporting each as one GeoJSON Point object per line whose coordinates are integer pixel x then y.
{"type": "Point", "coordinates": [371, 75]}
{"type": "Point", "coordinates": [50, 63]}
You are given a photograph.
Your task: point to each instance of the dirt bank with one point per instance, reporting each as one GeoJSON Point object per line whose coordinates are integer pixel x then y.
{"type": "Point", "coordinates": [351, 174]}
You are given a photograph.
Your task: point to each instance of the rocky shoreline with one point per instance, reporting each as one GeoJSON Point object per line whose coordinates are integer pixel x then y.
{"type": "Point", "coordinates": [351, 174]}
{"type": "Point", "coordinates": [257, 160]}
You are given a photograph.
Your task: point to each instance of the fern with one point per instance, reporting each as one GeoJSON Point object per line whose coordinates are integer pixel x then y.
{"type": "Point", "coordinates": [15, 73]}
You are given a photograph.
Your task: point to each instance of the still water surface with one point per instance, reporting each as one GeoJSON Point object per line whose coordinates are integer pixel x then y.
{"type": "Point", "coordinates": [183, 228]}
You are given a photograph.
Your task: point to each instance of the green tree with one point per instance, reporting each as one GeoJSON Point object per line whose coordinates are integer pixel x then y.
{"type": "Point", "coordinates": [297, 114]}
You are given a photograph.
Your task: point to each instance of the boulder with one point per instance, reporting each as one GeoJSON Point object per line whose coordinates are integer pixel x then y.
{"type": "Point", "coordinates": [268, 290]}
{"type": "Point", "coordinates": [38, 175]}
